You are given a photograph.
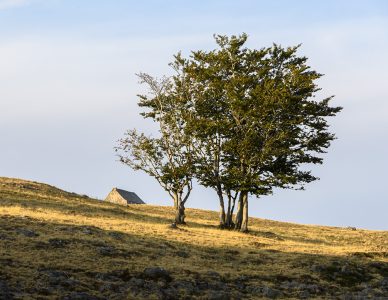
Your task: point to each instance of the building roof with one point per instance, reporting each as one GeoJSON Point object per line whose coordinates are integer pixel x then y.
{"type": "Point", "coordinates": [131, 197]}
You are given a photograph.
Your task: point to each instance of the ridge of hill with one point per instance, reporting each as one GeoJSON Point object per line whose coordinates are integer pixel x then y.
{"type": "Point", "coordinates": [55, 244]}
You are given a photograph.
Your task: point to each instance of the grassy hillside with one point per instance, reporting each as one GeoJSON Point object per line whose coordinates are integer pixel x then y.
{"type": "Point", "coordinates": [55, 244]}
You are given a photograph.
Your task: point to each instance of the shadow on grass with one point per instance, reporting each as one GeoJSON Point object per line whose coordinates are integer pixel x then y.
{"type": "Point", "coordinates": [41, 258]}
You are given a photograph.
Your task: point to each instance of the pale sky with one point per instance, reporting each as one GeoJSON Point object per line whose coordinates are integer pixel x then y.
{"type": "Point", "coordinates": [68, 92]}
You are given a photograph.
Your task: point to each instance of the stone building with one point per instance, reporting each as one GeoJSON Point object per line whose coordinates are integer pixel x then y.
{"type": "Point", "coordinates": [123, 197]}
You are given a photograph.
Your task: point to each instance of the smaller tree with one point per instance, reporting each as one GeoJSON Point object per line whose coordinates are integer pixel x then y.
{"type": "Point", "coordinates": [167, 158]}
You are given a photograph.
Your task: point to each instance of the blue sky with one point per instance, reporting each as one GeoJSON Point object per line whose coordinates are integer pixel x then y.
{"type": "Point", "coordinates": [68, 92]}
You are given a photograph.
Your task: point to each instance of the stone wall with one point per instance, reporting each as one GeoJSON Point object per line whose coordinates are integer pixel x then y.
{"type": "Point", "coordinates": [115, 197]}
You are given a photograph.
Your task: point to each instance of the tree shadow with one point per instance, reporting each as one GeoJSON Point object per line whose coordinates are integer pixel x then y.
{"type": "Point", "coordinates": [40, 258]}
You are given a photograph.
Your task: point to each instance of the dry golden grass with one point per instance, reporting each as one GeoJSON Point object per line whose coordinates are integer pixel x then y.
{"type": "Point", "coordinates": [84, 237]}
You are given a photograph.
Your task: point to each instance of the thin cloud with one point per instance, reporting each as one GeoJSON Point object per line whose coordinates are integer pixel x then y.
{"type": "Point", "coordinates": [4, 4]}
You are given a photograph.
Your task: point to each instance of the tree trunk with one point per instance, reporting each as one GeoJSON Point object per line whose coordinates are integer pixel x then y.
{"type": "Point", "coordinates": [244, 225]}
{"type": "Point", "coordinates": [229, 215]}
{"type": "Point", "coordinates": [176, 200]}
{"type": "Point", "coordinates": [180, 214]}
{"type": "Point", "coordinates": [179, 209]}
{"type": "Point", "coordinates": [239, 213]}
{"type": "Point", "coordinates": [228, 221]}
{"type": "Point", "coordinates": [222, 207]}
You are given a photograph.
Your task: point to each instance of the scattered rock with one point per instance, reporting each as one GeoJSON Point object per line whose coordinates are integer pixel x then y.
{"type": "Point", "coordinates": [182, 254]}
{"type": "Point", "coordinates": [46, 291]}
{"type": "Point", "coordinates": [107, 251]}
{"type": "Point", "coordinates": [213, 274]}
{"type": "Point", "coordinates": [202, 285]}
{"type": "Point", "coordinates": [162, 284]}
{"type": "Point", "coordinates": [242, 278]}
{"type": "Point", "coordinates": [59, 278]}
{"type": "Point", "coordinates": [317, 268]}
{"type": "Point", "coordinates": [87, 230]}
{"type": "Point", "coordinates": [4, 237]}
{"type": "Point", "coordinates": [384, 283]}
{"type": "Point", "coordinates": [287, 285]}
{"type": "Point", "coordinates": [169, 293]}
{"type": "Point", "coordinates": [314, 288]}
{"type": "Point", "coordinates": [173, 226]}
{"type": "Point", "coordinates": [151, 287]}
{"type": "Point", "coordinates": [241, 286]}
{"type": "Point", "coordinates": [6, 262]}
{"type": "Point", "coordinates": [109, 287]}
{"type": "Point", "coordinates": [111, 251]}
{"type": "Point", "coordinates": [124, 275]}
{"type": "Point", "coordinates": [217, 286]}
{"type": "Point", "coordinates": [270, 293]}
{"type": "Point", "coordinates": [379, 265]}
{"type": "Point", "coordinates": [114, 276]}
{"type": "Point", "coordinates": [70, 284]}
{"type": "Point", "coordinates": [351, 228]}
{"type": "Point", "coordinates": [187, 286]}
{"type": "Point", "coordinates": [367, 291]}
{"type": "Point", "coordinates": [27, 232]}
{"type": "Point", "coordinates": [348, 274]}
{"type": "Point", "coordinates": [304, 294]}
{"type": "Point", "coordinates": [346, 269]}
{"type": "Point", "coordinates": [81, 296]}
{"type": "Point", "coordinates": [156, 273]}
{"type": "Point", "coordinates": [255, 290]}
{"type": "Point", "coordinates": [58, 243]}
{"type": "Point", "coordinates": [50, 284]}
{"type": "Point", "coordinates": [217, 295]}
{"type": "Point", "coordinates": [136, 282]}
{"type": "Point", "coordinates": [5, 292]}
{"type": "Point", "coordinates": [116, 235]}
{"type": "Point", "coordinates": [351, 274]}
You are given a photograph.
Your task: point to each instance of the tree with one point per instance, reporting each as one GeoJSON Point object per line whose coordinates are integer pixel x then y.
{"type": "Point", "coordinates": [167, 158]}
{"type": "Point", "coordinates": [209, 156]}
{"type": "Point", "coordinates": [256, 119]}
{"type": "Point", "coordinates": [209, 128]}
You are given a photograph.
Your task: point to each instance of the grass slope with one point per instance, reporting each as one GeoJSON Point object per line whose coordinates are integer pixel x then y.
{"type": "Point", "coordinates": [55, 244]}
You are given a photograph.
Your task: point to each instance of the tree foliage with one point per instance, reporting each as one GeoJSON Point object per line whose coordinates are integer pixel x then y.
{"type": "Point", "coordinates": [255, 118]}
{"type": "Point", "coordinates": [167, 158]}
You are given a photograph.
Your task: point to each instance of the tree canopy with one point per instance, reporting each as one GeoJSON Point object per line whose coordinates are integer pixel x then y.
{"type": "Point", "coordinates": [256, 118]}
{"type": "Point", "coordinates": [167, 158]}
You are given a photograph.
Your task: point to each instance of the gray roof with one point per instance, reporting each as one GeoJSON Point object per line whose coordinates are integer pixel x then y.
{"type": "Point", "coordinates": [130, 196]}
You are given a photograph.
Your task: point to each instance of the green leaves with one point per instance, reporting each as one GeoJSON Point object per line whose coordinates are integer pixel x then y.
{"type": "Point", "coordinates": [254, 117]}
{"type": "Point", "coordinates": [168, 157]}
